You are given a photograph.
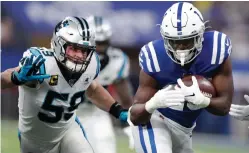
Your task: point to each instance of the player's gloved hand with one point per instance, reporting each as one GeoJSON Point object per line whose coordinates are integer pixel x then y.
{"type": "Point", "coordinates": [193, 93]}
{"type": "Point", "coordinates": [123, 116]}
{"type": "Point", "coordinates": [28, 71]}
{"type": "Point", "coordinates": [119, 112]}
{"type": "Point", "coordinates": [164, 98]}
{"type": "Point", "coordinates": [240, 112]}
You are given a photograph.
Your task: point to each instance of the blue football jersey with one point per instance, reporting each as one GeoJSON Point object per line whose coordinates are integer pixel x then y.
{"type": "Point", "coordinates": [155, 62]}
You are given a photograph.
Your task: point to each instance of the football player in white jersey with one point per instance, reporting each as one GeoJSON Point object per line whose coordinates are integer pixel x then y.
{"type": "Point", "coordinates": [52, 83]}
{"type": "Point", "coordinates": [240, 112]}
{"type": "Point", "coordinates": [114, 71]}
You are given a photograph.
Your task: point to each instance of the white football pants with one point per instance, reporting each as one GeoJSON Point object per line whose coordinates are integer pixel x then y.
{"type": "Point", "coordinates": [162, 135]}
{"type": "Point", "coordinates": [99, 128]}
{"type": "Point", "coordinates": [73, 141]}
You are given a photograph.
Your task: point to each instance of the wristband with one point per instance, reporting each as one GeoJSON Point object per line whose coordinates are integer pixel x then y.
{"type": "Point", "coordinates": [116, 109]}
{"type": "Point", "coordinates": [14, 79]}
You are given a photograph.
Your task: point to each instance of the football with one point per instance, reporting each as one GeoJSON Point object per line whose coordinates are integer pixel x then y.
{"type": "Point", "coordinates": [205, 85]}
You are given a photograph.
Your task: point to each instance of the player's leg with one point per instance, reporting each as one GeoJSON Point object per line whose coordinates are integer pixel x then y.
{"type": "Point", "coordinates": [154, 137]}
{"type": "Point", "coordinates": [181, 137]}
{"type": "Point", "coordinates": [74, 140]}
{"type": "Point", "coordinates": [28, 145]}
{"type": "Point", "coordinates": [100, 132]}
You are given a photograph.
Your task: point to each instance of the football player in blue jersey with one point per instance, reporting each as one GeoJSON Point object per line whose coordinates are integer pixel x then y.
{"type": "Point", "coordinates": [165, 117]}
{"type": "Point", "coordinates": [240, 112]}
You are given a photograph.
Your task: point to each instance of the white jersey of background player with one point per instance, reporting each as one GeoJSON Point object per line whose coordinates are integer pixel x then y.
{"type": "Point", "coordinates": [47, 118]}
{"type": "Point", "coordinates": [114, 71]}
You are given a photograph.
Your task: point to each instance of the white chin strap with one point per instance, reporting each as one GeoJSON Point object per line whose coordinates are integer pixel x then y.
{"type": "Point", "coordinates": [71, 65]}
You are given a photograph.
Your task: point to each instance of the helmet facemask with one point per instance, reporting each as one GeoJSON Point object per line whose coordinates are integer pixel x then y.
{"type": "Point", "coordinates": [183, 50]}
{"type": "Point", "coordinates": [74, 63]}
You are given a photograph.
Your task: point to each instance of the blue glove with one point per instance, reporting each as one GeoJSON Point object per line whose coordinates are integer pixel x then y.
{"type": "Point", "coordinates": [28, 71]}
{"type": "Point", "coordinates": [123, 116]}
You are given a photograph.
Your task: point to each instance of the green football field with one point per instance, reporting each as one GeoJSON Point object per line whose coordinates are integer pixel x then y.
{"type": "Point", "coordinates": [10, 143]}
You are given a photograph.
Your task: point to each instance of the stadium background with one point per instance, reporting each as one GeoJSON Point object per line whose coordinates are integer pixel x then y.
{"type": "Point", "coordinates": [26, 24]}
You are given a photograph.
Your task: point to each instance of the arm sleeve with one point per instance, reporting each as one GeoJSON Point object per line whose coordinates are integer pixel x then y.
{"type": "Point", "coordinates": [145, 61]}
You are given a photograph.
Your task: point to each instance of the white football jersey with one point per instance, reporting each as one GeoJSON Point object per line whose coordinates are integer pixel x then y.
{"type": "Point", "coordinates": [117, 68]}
{"type": "Point", "coordinates": [46, 112]}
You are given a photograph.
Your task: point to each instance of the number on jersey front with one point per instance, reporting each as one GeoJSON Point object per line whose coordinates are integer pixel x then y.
{"type": "Point", "coordinates": [59, 110]}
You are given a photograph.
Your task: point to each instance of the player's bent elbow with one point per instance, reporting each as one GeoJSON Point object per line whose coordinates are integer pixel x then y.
{"type": "Point", "coordinates": [139, 120]}
{"type": "Point", "coordinates": [134, 120]}
{"type": "Point", "coordinates": [139, 116]}
{"type": "Point", "coordinates": [226, 107]}
{"type": "Point", "coordinates": [221, 110]}
{"type": "Point", "coordinates": [226, 110]}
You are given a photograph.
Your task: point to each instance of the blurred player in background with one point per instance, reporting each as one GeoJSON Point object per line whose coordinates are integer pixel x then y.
{"type": "Point", "coordinates": [240, 112]}
{"type": "Point", "coordinates": [114, 71]}
{"type": "Point", "coordinates": [52, 83]}
{"type": "Point", "coordinates": [165, 123]}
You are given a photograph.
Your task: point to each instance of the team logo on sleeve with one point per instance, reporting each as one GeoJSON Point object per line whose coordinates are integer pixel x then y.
{"type": "Point", "coordinates": [53, 80]}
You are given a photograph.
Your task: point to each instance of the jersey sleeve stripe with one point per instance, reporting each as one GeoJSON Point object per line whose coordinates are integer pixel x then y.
{"type": "Point", "coordinates": [147, 59]}
{"type": "Point", "coordinates": [222, 52]}
{"type": "Point", "coordinates": [141, 61]}
{"type": "Point", "coordinates": [141, 65]}
{"type": "Point", "coordinates": [215, 47]}
{"type": "Point", "coordinates": [154, 57]}
{"type": "Point", "coordinates": [121, 71]}
{"type": "Point", "coordinates": [229, 50]}
{"type": "Point", "coordinates": [150, 57]}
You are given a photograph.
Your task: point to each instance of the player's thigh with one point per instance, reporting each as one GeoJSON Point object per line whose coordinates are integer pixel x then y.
{"type": "Point", "coordinates": [181, 138]}
{"type": "Point", "coordinates": [100, 132]}
{"type": "Point", "coordinates": [32, 146]}
{"type": "Point", "coordinates": [154, 137]}
{"type": "Point", "coordinates": [75, 141]}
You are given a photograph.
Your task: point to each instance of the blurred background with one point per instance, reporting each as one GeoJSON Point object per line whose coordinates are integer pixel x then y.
{"type": "Point", "coordinates": [26, 24]}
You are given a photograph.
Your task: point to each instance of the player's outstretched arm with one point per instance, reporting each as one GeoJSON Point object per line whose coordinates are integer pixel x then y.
{"type": "Point", "coordinates": [102, 99]}
{"type": "Point", "coordinates": [6, 78]}
{"type": "Point", "coordinates": [240, 112]}
{"type": "Point", "coordinates": [124, 91]}
{"type": "Point", "coordinates": [25, 74]}
{"type": "Point", "coordinates": [223, 83]}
